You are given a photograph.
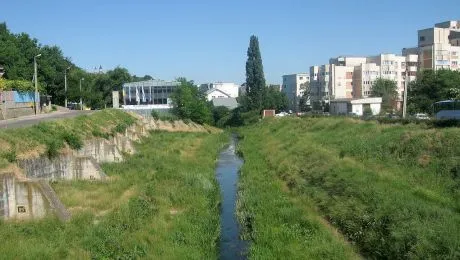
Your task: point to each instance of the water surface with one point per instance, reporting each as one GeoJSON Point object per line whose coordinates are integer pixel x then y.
{"type": "Point", "coordinates": [231, 247]}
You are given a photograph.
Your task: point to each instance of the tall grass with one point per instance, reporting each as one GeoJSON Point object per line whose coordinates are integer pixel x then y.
{"type": "Point", "coordinates": [280, 224]}
{"type": "Point", "coordinates": [393, 191]}
{"type": "Point", "coordinates": [161, 203]}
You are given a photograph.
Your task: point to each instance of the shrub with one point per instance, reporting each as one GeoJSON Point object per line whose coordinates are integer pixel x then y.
{"type": "Point", "coordinates": [99, 133]}
{"type": "Point", "coordinates": [52, 148]}
{"type": "Point", "coordinates": [10, 155]}
{"type": "Point", "coordinates": [155, 114]}
{"type": "Point", "coordinates": [73, 140]}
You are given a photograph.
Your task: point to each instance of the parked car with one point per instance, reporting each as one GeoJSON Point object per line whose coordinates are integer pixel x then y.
{"type": "Point", "coordinates": [281, 114]}
{"type": "Point", "coordinates": [422, 116]}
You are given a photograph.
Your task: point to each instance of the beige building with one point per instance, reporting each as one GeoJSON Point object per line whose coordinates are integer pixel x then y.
{"type": "Point", "coordinates": [364, 76]}
{"type": "Point", "coordinates": [438, 47]}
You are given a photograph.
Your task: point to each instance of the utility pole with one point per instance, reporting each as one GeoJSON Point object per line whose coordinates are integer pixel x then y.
{"type": "Point", "coordinates": [65, 86]}
{"type": "Point", "coordinates": [405, 93]}
{"type": "Point", "coordinates": [81, 98]}
{"type": "Point", "coordinates": [36, 83]}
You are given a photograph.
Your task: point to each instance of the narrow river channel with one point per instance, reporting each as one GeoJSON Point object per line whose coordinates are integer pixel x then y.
{"type": "Point", "coordinates": [227, 172]}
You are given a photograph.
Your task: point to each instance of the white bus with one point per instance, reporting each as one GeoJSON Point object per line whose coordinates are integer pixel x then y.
{"type": "Point", "coordinates": [448, 109]}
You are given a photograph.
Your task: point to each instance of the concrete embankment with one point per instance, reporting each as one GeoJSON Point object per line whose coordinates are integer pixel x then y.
{"type": "Point", "coordinates": [25, 192]}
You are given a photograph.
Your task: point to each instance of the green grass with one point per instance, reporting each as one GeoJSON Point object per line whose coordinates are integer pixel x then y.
{"type": "Point", "coordinates": [161, 203]}
{"type": "Point", "coordinates": [392, 191]}
{"type": "Point", "coordinates": [49, 137]}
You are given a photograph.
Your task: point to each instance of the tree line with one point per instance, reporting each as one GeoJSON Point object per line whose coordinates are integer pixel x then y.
{"type": "Point", "coordinates": [17, 52]}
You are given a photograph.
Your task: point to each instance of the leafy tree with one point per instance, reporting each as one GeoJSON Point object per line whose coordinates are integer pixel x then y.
{"type": "Point", "coordinates": [255, 79]}
{"type": "Point", "coordinates": [430, 87]}
{"type": "Point", "coordinates": [386, 89]}
{"type": "Point", "coordinates": [305, 100]}
{"type": "Point", "coordinates": [189, 103]}
{"type": "Point", "coordinates": [221, 115]}
{"type": "Point", "coordinates": [275, 99]}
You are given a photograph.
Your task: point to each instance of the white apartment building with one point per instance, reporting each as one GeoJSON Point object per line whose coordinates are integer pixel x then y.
{"type": "Point", "coordinates": [438, 47]}
{"type": "Point", "coordinates": [392, 67]}
{"type": "Point", "coordinates": [293, 88]}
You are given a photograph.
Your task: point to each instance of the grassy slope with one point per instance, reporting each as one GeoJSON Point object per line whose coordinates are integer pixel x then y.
{"type": "Point", "coordinates": [161, 203]}
{"type": "Point", "coordinates": [392, 190]}
{"type": "Point", "coordinates": [49, 137]}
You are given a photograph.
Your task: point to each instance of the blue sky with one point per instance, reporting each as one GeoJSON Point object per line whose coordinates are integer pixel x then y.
{"type": "Point", "coordinates": [207, 40]}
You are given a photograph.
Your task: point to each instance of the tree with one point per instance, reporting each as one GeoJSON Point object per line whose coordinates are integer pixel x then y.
{"type": "Point", "coordinates": [255, 79]}
{"type": "Point", "coordinates": [386, 89]}
{"type": "Point", "coordinates": [305, 100]}
{"type": "Point", "coordinates": [430, 87]}
{"type": "Point", "coordinates": [189, 103]}
{"type": "Point", "coordinates": [275, 99]}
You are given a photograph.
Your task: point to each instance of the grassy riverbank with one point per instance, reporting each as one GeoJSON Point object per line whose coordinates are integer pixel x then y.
{"type": "Point", "coordinates": [161, 203]}
{"type": "Point", "coordinates": [392, 191]}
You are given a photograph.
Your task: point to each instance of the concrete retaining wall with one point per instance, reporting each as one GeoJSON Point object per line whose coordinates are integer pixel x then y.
{"type": "Point", "coordinates": [32, 197]}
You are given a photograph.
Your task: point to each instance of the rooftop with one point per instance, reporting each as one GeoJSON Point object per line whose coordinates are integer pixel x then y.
{"type": "Point", "coordinates": [230, 103]}
{"type": "Point", "coordinates": [151, 83]}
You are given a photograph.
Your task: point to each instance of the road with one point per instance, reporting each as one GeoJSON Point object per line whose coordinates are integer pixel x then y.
{"type": "Point", "coordinates": [35, 119]}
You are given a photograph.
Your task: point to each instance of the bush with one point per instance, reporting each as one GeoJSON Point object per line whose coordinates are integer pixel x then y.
{"type": "Point", "coordinates": [10, 156]}
{"type": "Point", "coordinates": [155, 114]}
{"type": "Point", "coordinates": [120, 128]}
{"type": "Point", "coordinates": [52, 148]}
{"type": "Point", "coordinates": [99, 133]}
{"type": "Point", "coordinates": [73, 140]}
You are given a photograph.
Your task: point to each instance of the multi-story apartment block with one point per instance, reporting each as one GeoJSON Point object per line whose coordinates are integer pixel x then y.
{"type": "Point", "coordinates": [341, 81]}
{"type": "Point", "coordinates": [438, 47]}
{"type": "Point", "coordinates": [411, 67]}
{"type": "Point", "coordinates": [293, 87]}
{"type": "Point", "coordinates": [392, 67]}
{"type": "Point", "coordinates": [342, 70]}
{"type": "Point", "coordinates": [364, 76]}
{"type": "Point", "coordinates": [319, 83]}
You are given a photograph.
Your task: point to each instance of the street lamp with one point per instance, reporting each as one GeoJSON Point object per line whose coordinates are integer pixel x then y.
{"type": "Point", "coordinates": [81, 99]}
{"type": "Point", "coordinates": [65, 85]}
{"type": "Point", "coordinates": [36, 81]}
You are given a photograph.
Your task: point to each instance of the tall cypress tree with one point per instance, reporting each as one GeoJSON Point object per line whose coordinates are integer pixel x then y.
{"type": "Point", "coordinates": [255, 79]}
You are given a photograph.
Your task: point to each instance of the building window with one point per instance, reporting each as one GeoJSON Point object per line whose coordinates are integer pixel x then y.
{"type": "Point", "coordinates": [422, 38]}
{"type": "Point", "coordinates": [300, 78]}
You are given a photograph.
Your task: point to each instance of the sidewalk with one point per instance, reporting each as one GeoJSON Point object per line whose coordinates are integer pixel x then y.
{"type": "Point", "coordinates": [35, 119]}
